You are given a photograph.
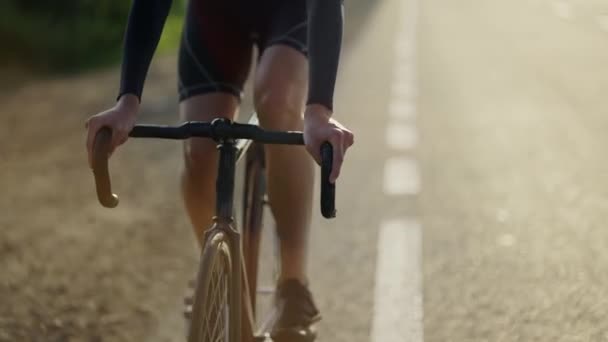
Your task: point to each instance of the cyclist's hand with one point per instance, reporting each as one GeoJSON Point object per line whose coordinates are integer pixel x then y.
{"type": "Point", "coordinates": [319, 127]}
{"type": "Point", "coordinates": [120, 119]}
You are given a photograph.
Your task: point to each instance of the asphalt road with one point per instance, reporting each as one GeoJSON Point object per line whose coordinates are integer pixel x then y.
{"type": "Point", "coordinates": [471, 208]}
{"type": "Point", "coordinates": [510, 114]}
{"type": "Point", "coordinates": [514, 184]}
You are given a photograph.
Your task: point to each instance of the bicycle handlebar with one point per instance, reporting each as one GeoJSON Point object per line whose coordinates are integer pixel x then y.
{"type": "Point", "coordinates": [328, 190]}
{"type": "Point", "coordinates": [217, 130]}
{"type": "Point", "coordinates": [101, 152]}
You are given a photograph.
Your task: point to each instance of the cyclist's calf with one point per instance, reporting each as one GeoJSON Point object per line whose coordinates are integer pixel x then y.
{"type": "Point", "coordinates": [200, 154]}
{"type": "Point", "coordinates": [200, 157]}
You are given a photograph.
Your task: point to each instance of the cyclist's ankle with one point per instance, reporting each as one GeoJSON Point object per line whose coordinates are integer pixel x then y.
{"type": "Point", "coordinates": [301, 278]}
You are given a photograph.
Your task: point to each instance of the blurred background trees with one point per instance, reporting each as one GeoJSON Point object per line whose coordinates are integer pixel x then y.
{"type": "Point", "coordinates": [70, 35]}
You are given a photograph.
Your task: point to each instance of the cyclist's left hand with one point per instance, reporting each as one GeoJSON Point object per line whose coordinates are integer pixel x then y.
{"type": "Point", "coordinates": [319, 127]}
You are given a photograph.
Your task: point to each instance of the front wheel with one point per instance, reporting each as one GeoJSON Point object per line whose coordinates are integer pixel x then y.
{"type": "Point", "coordinates": [211, 320]}
{"type": "Point", "coordinates": [253, 210]}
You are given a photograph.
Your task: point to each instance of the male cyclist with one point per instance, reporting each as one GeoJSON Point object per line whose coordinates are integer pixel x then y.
{"type": "Point", "coordinates": [298, 44]}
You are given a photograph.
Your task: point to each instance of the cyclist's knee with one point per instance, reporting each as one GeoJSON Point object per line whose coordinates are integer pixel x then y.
{"type": "Point", "coordinates": [200, 153]}
{"type": "Point", "coordinates": [199, 156]}
{"type": "Point", "coordinates": [278, 108]}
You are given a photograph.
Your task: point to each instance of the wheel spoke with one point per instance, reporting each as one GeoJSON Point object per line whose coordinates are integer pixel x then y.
{"type": "Point", "coordinates": [217, 302]}
{"type": "Point", "coordinates": [221, 318]}
{"type": "Point", "coordinates": [213, 317]}
{"type": "Point", "coordinates": [207, 314]}
{"type": "Point", "coordinates": [210, 329]}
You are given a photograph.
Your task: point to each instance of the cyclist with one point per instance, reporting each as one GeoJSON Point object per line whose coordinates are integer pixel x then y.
{"type": "Point", "coordinates": [298, 44]}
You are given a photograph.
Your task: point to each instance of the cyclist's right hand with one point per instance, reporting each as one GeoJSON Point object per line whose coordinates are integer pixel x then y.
{"type": "Point", "coordinates": [120, 119]}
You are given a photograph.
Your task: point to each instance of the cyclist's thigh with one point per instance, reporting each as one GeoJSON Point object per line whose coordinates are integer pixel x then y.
{"type": "Point", "coordinates": [214, 58]}
{"type": "Point", "coordinates": [282, 74]}
{"type": "Point", "coordinates": [208, 106]}
{"type": "Point", "coordinates": [281, 79]}
{"type": "Point", "coordinates": [214, 61]}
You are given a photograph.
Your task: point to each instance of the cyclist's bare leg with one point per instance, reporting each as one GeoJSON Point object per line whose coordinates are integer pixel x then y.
{"type": "Point", "coordinates": [200, 158]}
{"type": "Point", "coordinates": [279, 92]}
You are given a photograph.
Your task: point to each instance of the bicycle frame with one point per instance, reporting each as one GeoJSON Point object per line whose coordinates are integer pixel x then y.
{"type": "Point", "coordinates": [225, 133]}
{"type": "Point", "coordinates": [223, 221]}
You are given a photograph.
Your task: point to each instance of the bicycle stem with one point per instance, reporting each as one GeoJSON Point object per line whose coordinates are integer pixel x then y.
{"type": "Point", "coordinates": [225, 180]}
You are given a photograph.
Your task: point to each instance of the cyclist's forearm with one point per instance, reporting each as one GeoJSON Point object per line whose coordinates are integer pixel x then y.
{"type": "Point", "coordinates": [144, 28]}
{"type": "Point", "coordinates": [324, 43]}
{"type": "Point", "coordinates": [129, 102]}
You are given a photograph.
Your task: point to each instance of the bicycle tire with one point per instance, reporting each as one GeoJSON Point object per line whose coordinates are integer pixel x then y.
{"type": "Point", "coordinates": [256, 325]}
{"type": "Point", "coordinates": [253, 213]}
{"type": "Point", "coordinates": [212, 296]}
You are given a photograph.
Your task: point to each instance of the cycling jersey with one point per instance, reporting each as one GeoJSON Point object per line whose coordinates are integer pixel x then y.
{"type": "Point", "coordinates": [218, 37]}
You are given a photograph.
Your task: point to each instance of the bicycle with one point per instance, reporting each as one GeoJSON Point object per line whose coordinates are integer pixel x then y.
{"type": "Point", "coordinates": [227, 275]}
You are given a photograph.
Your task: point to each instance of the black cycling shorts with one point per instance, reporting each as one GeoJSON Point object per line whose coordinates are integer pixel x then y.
{"type": "Point", "coordinates": [219, 36]}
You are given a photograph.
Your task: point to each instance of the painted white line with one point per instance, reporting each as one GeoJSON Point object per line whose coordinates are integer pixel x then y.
{"type": "Point", "coordinates": [397, 315]}
{"type": "Point", "coordinates": [602, 21]}
{"type": "Point", "coordinates": [562, 9]}
{"type": "Point", "coordinates": [404, 47]}
{"type": "Point", "coordinates": [404, 88]}
{"type": "Point", "coordinates": [401, 109]}
{"type": "Point", "coordinates": [401, 176]}
{"type": "Point", "coordinates": [405, 69]}
{"type": "Point", "coordinates": [404, 80]}
{"type": "Point", "coordinates": [502, 215]}
{"type": "Point", "coordinates": [398, 288]}
{"type": "Point", "coordinates": [401, 136]}
{"type": "Point", "coordinates": [506, 240]}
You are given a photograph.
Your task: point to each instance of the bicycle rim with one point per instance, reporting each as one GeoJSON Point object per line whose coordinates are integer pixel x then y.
{"type": "Point", "coordinates": [261, 277]}
{"type": "Point", "coordinates": [210, 321]}
{"type": "Point", "coordinates": [255, 189]}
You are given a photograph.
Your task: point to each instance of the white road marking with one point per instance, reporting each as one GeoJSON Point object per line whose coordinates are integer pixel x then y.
{"type": "Point", "coordinates": [602, 21]}
{"type": "Point", "coordinates": [401, 176]}
{"type": "Point", "coordinates": [502, 215]}
{"type": "Point", "coordinates": [506, 240]}
{"type": "Point", "coordinates": [397, 315]}
{"type": "Point", "coordinates": [401, 109]}
{"type": "Point", "coordinates": [404, 48]}
{"type": "Point", "coordinates": [398, 292]}
{"type": "Point", "coordinates": [404, 70]}
{"type": "Point", "coordinates": [403, 88]}
{"type": "Point", "coordinates": [401, 136]}
{"type": "Point", "coordinates": [562, 9]}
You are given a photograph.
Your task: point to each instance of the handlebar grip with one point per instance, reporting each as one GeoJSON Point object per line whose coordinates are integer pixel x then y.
{"type": "Point", "coordinates": [328, 190]}
{"type": "Point", "coordinates": [101, 151]}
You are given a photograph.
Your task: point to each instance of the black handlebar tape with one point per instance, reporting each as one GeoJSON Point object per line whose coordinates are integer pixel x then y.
{"type": "Point", "coordinates": [328, 190]}
{"type": "Point", "coordinates": [101, 151]}
{"type": "Point", "coordinates": [283, 138]}
{"type": "Point", "coordinates": [204, 129]}
{"type": "Point", "coordinates": [183, 131]}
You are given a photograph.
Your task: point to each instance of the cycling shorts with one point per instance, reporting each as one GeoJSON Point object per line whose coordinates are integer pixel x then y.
{"type": "Point", "coordinates": [219, 37]}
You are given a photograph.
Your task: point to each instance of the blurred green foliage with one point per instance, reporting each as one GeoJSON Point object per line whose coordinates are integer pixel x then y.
{"type": "Point", "coordinates": [70, 35]}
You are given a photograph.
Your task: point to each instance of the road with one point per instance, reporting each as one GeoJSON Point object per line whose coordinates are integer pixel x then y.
{"type": "Point", "coordinates": [514, 183]}
{"type": "Point", "coordinates": [471, 207]}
